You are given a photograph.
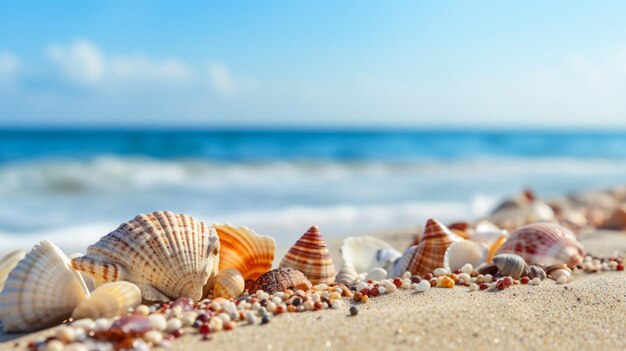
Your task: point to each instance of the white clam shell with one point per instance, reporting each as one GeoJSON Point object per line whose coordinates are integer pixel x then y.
{"type": "Point", "coordinates": [8, 262]}
{"type": "Point", "coordinates": [366, 252]}
{"type": "Point", "coordinates": [42, 290]}
{"type": "Point", "coordinates": [109, 300]}
{"type": "Point", "coordinates": [376, 274]}
{"type": "Point", "coordinates": [463, 252]}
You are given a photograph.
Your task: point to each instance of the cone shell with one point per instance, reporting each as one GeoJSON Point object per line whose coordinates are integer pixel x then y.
{"type": "Point", "coordinates": [544, 243]}
{"type": "Point", "coordinates": [229, 284]}
{"type": "Point", "coordinates": [109, 300]}
{"type": "Point", "coordinates": [346, 275]}
{"type": "Point", "coordinates": [166, 255]}
{"type": "Point", "coordinates": [461, 252]}
{"type": "Point", "coordinates": [41, 291]}
{"type": "Point", "coordinates": [364, 253]}
{"type": "Point", "coordinates": [244, 250]}
{"type": "Point", "coordinates": [429, 253]}
{"type": "Point", "coordinates": [510, 264]}
{"type": "Point", "coordinates": [281, 279]}
{"type": "Point", "coordinates": [310, 256]}
{"type": "Point", "coordinates": [9, 262]}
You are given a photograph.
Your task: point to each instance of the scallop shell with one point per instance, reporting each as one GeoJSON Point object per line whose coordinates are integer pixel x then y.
{"type": "Point", "coordinates": [109, 300]}
{"type": "Point", "coordinates": [310, 256]}
{"type": "Point", "coordinates": [346, 275]}
{"type": "Point", "coordinates": [429, 253]}
{"type": "Point", "coordinates": [510, 264]}
{"type": "Point", "coordinates": [366, 252]}
{"type": "Point", "coordinates": [544, 243]}
{"type": "Point", "coordinates": [461, 252]}
{"type": "Point", "coordinates": [281, 279]}
{"type": "Point", "coordinates": [244, 250]}
{"type": "Point", "coordinates": [41, 291]}
{"type": "Point", "coordinates": [535, 271]}
{"type": "Point", "coordinates": [166, 255]}
{"type": "Point", "coordinates": [9, 262]}
{"type": "Point", "coordinates": [556, 271]}
{"type": "Point", "coordinates": [229, 284]}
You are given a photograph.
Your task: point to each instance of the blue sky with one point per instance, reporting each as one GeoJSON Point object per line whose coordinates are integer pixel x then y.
{"type": "Point", "coordinates": [539, 64]}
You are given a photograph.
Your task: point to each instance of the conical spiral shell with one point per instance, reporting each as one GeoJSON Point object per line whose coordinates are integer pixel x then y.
{"type": "Point", "coordinates": [429, 253]}
{"type": "Point", "coordinates": [244, 250]}
{"type": "Point", "coordinates": [310, 256]}
{"type": "Point", "coordinates": [109, 300]}
{"type": "Point", "coordinates": [281, 279]}
{"type": "Point", "coordinates": [544, 243]}
{"type": "Point", "coordinates": [511, 264]}
{"type": "Point", "coordinates": [347, 274]}
{"type": "Point", "coordinates": [535, 271]}
{"type": "Point", "coordinates": [41, 291]}
{"type": "Point", "coordinates": [166, 255]}
{"type": "Point", "coordinates": [229, 284]}
{"type": "Point", "coordinates": [9, 262]}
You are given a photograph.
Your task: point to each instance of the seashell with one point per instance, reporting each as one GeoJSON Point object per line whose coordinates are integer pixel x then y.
{"type": "Point", "coordinates": [536, 271]}
{"type": "Point", "coordinates": [429, 253]}
{"type": "Point", "coordinates": [9, 262]}
{"type": "Point", "coordinates": [617, 219]}
{"type": "Point", "coordinates": [462, 252]}
{"type": "Point", "coordinates": [376, 274]}
{"type": "Point", "coordinates": [346, 275]}
{"type": "Point", "coordinates": [559, 272]}
{"type": "Point", "coordinates": [244, 250]}
{"type": "Point", "coordinates": [366, 252]}
{"type": "Point", "coordinates": [511, 264]}
{"type": "Point", "coordinates": [109, 300]}
{"type": "Point", "coordinates": [91, 286]}
{"type": "Point", "coordinates": [42, 290]}
{"type": "Point", "coordinates": [310, 256]}
{"type": "Point", "coordinates": [490, 235]}
{"type": "Point", "coordinates": [281, 279]}
{"type": "Point", "coordinates": [544, 243]}
{"type": "Point", "coordinates": [229, 284]}
{"type": "Point", "coordinates": [166, 255]}
{"type": "Point", "coordinates": [489, 268]}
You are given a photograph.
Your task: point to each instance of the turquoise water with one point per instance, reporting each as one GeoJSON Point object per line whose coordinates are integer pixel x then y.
{"type": "Point", "coordinates": [74, 186]}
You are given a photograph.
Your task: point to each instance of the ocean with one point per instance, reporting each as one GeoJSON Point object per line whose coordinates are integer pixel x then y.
{"type": "Point", "coordinates": [73, 186]}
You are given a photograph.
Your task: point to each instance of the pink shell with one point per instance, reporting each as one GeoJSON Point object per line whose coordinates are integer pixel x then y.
{"type": "Point", "coordinates": [545, 243]}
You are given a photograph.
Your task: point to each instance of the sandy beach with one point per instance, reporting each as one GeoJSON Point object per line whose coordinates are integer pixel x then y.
{"type": "Point", "coordinates": [587, 314]}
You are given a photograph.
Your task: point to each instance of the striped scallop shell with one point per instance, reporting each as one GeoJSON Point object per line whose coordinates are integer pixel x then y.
{"type": "Point", "coordinates": [109, 300]}
{"type": "Point", "coordinates": [229, 284]}
{"type": "Point", "coordinates": [429, 253]}
{"type": "Point", "coordinates": [166, 255]}
{"type": "Point", "coordinates": [545, 243]}
{"type": "Point", "coordinates": [41, 291]}
{"type": "Point", "coordinates": [281, 279]}
{"type": "Point", "coordinates": [244, 250]}
{"type": "Point", "coordinates": [310, 256]}
{"type": "Point", "coordinates": [9, 262]}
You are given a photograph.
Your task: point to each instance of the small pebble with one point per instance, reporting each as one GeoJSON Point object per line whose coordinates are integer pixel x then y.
{"type": "Point", "coordinates": [158, 321]}
{"type": "Point", "coordinates": [336, 304]}
{"type": "Point", "coordinates": [153, 337]}
{"type": "Point", "coordinates": [488, 278]}
{"type": "Point", "coordinates": [422, 286]}
{"type": "Point", "coordinates": [265, 319]}
{"type": "Point", "coordinates": [467, 268]}
{"type": "Point", "coordinates": [143, 309]}
{"type": "Point", "coordinates": [473, 287]}
{"type": "Point", "coordinates": [536, 281]}
{"type": "Point", "coordinates": [216, 324]}
{"type": "Point", "coordinates": [250, 318]}
{"type": "Point", "coordinates": [173, 325]}
{"type": "Point", "coordinates": [86, 324]}
{"type": "Point", "coordinates": [66, 334]}
{"type": "Point", "coordinates": [102, 324]}
{"type": "Point", "coordinates": [54, 345]}
{"type": "Point", "coordinates": [406, 275]}
{"type": "Point", "coordinates": [354, 311]}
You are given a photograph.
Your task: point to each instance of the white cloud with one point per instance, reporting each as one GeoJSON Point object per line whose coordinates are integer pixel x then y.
{"type": "Point", "coordinates": [9, 64]}
{"type": "Point", "coordinates": [81, 61]}
{"type": "Point", "coordinates": [143, 67]}
{"type": "Point", "coordinates": [221, 79]}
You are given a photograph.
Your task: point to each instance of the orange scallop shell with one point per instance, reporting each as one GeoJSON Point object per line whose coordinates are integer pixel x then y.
{"type": "Point", "coordinates": [310, 256]}
{"type": "Point", "coordinates": [429, 253]}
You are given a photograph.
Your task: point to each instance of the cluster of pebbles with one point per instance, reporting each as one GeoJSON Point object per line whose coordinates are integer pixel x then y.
{"type": "Point", "coordinates": [159, 324]}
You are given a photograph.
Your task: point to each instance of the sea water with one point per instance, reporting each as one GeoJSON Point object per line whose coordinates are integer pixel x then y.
{"type": "Point", "coordinates": [73, 186]}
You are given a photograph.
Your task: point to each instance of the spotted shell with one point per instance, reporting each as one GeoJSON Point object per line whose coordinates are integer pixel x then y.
{"type": "Point", "coordinates": [229, 284]}
{"type": "Point", "coordinates": [109, 300]}
{"type": "Point", "coordinates": [281, 279]}
{"type": "Point", "coordinates": [347, 274]}
{"type": "Point", "coordinates": [166, 255]}
{"type": "Point", "coordinates": [429, 253]}
{"type": "Point", "coordinates": [42, 290]}
{"type": "Point", "coordinates": [544, 243]}
{"type": "Point", "coordinates": [310, 256]}
{"type": "Point", "coordinates": [8, 262]}
{"type": "Point", "coordinates": [244, 250]}
{"type": "Point", "coordinates": [511, 264]}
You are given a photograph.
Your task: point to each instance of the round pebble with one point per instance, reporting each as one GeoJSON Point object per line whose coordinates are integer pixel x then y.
{"type": "Point", "coordinates": [66, 334]}
{"type": "Point", "coordinates": [473, 287]}
{"type": "Point", "coordinates": [422, 286]}
{"type": "Point", "coordinates": [158, 321]}
{"type": "Point", "coordinates": [173, 325]}
{"type": "Point", "coordinates": [250, 318]}
{"type": "Point", "coordinates": [216, 324]}
{"type": "Point", "coordinates": [467, 268]}
{"type": "Point", "coordinates": [86, 324]}
{"type": "Point", "coordinates": [536, 281]}
{"type": "Point", "coordinates": [143, 309]}
{"type": "Point", "coordinates": [336, 304]}
{"type": "Point", "coordinates": [354, 311]}
{"type": "Point", "coordinates": [154, 337]}
{"type": "Point", "coordinates": [440, 272]}
{"type": "Point", "coordinates": [54, 345]}
{"type": "Point", "coordinates": [265, 319]}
